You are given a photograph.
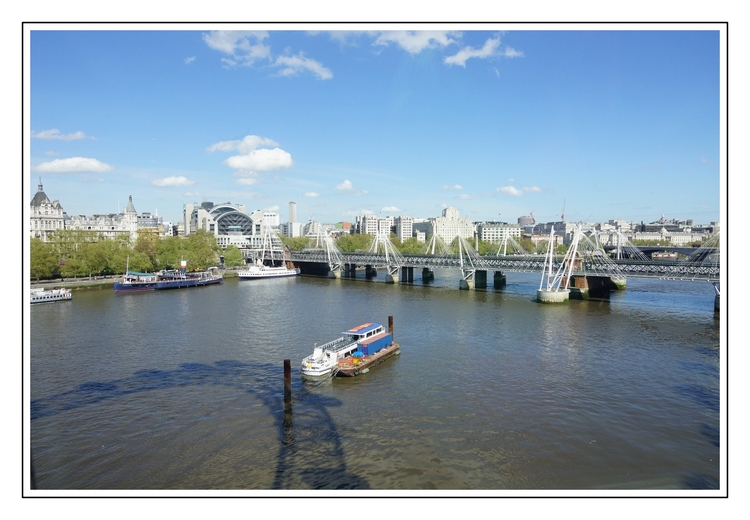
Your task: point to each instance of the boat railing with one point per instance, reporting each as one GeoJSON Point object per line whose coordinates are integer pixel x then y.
{"type": "Point", "coordinates": [337, 344]}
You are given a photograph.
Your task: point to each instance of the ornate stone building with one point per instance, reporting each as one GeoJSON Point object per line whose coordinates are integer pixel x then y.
{"type": "Point", "coordinates": [109, 226]}
{"type": "Point", "coordinates": [46, 216]}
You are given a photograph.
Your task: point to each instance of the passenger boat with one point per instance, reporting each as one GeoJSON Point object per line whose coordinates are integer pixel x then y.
{"type": "Point", "coordinates": [173, 279]}
{"type": "Point", "coordinates": [258, 270]}
{"type": "Point", "coordinates": [54, 295]}
{"type": "Point", "coordinates": [353, 353]}
{"type": "Point", "coordinates": [135, 281]}
{"type": "Point", "coordinates": [664, 255]}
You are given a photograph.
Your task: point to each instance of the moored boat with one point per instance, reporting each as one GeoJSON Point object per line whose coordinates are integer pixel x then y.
{"type": "Point", "coordinates": [134, 281]}
{"type": "Point", "coordinates": [353, 353]}
{"type": "Point", "coordinates": [53, 295]}
{"type": "Point", "coordinates": [258, 270]}
{"type": "Point", "coordinates": [173, 279]}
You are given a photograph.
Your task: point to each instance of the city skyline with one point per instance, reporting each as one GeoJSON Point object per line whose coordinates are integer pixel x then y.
{"type": "Point", "coordinates": [497, 123]}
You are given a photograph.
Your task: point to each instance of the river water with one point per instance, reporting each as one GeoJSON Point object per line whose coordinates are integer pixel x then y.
{"type": "Point", "coordinates": [493, 392]}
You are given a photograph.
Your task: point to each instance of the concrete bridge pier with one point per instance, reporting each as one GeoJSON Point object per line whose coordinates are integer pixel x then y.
{"type": "Point", "coordinates": [466, 284]}
{"type": "Point", "coordinates": [583, 287]}
{"type": "Point", "coordinates": [552, 296]}
{"type": "Point", "coordinates": [370, 271]}
{"type": "Point", "coordinates": [480, 279]}
{"type": "Point", "coordinates": [334, 273]}
{"type": "Point", "coordinates": [407, 274]}
{"type": "Point", "coordinates": [428, 274]}
{"type": "Point", "coordinates": [392, 275]}
{"type": "Point", "coordinates": [499, 280]}
{"type": "Point", "coordinates": [350, 270]}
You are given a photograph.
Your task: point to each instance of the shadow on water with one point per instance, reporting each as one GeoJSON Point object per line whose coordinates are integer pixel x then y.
{"type": "Point", "coordinates": [310, 455]}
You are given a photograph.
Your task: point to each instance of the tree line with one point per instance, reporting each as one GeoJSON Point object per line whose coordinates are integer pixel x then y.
{"type": "Point", "coordinates": [76, 253]}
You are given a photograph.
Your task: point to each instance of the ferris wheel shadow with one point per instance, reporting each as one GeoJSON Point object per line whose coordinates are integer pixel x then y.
{"type": "Point", "coordinates": [311, 454]}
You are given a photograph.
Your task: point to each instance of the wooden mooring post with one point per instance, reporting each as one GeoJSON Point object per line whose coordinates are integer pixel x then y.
{"type": "Point", "coordinates": [287, 381]}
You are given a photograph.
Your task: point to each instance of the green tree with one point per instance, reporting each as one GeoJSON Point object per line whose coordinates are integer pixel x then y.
{"type": "Point", "coordinates": [411, 246]}
{"type": "Point", "coordinates": [148, 244]}
{"type": "Point", "coordinates": [169, 253]}
{"type": "Point", "coordinates": [233, 257]}
{"type": "Point", "coordinates": [295, 243]}
{"type": "Point", "coordinates": [353, 243]}
{"type": "Point", "coordinates": [201, 250]}
{"type": "Point", "coordinates": [43, 260]}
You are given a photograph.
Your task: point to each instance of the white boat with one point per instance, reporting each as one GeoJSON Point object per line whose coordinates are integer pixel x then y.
{"type": "Point", "coordinates": [359, 341]}
{"type": "Point", "coordinates": [54, 295]}
{"type": "Point", "coordinates": [258, 270]}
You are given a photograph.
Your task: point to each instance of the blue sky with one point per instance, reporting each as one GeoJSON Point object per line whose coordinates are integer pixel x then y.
{"type": "Point", "coordinates": [608, 124]}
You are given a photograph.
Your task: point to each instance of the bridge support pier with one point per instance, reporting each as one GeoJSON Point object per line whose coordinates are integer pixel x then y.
{"type": "Point", "coordinates": [499, 280]}
{"type": "Point", "coordinates": [480, 279]}
{"type": "Point", "coordinates": [334, 274]}
{"type": "Point", "coordinates": [552, 296]}
{"type": "Point", "coordinates": [350, 270]}
{"type": "Point", "coordinates": [370, 271]}
{"type": "Point", "coordinates": [428, 274]}
{"type": "Point", "coordinates": [466, 285]}
{"type": "Point", "coordinates": [407, 274]}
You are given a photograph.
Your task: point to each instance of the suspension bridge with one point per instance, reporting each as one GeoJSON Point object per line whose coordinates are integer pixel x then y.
{"type": "Point", "coordinates": [586, 269]}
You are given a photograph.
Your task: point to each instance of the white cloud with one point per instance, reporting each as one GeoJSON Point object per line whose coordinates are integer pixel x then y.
{"type": "Point", "coordinates": [510, 52]}
{"type": "Point", "coordinates": [244, 146]}
{"type": "Point", "coordinates": [261, 160]}
{"type": "Point", "coordinates": [311, 195]}
{"type": "Point", "coordinates": [533, 189]}
{"type": "Point", "coordinates": [454, 187]}
{"type": "Point", "coordinates": [72, 165]}
{"type": "Point", "coordinates": [54, 133]}
{"type": "Point", "coordinates": [255, 156]}
{"type": "Point", "coordinates": [174, 180]}
{"type": "Point", "coordinates": [489, 49]}
{"type": "Point", "coordinates": [295, 65]}
{"type": "Point", "coordinates": [464, 196]}
{"type": "Point", "coordinates": [391, 209]}
{"type": "Point", "coordinates": [245, 47]}
{"type": "Point", "coordinates": [415, 42]}
{"type": "Point", "coordinates": [345, 186]}
{"type": "Point", "coordinates": [247, 181]}
{"type": "Point", "coordinates": [510, 190]}
{"type": "Point", "coordinates": [189, 60]}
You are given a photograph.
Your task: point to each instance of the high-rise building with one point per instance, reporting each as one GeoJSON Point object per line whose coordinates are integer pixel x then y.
{"type": "Point", "coordinates": [292, 212]}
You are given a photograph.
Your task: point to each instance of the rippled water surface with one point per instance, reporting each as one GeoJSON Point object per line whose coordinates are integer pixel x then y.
{"type": "Point", "coordinates": [184, 389]}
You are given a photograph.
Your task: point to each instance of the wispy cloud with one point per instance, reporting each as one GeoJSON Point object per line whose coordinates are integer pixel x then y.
{"type": "Point", "coordinates": [415, 42]}
{"type": "Point", "coordinates": [454, 187]}
{"type": "Point", "coordinates": [311, 195]}
{"type": "Point", "coordinates": [510, 190]}
{"type": "Point", "coordinates": [296, 65]}
{"type": "Point", "coordinates": [189, 60]}
{"type": "Point", "coordinates": [345, 186]}
{"type": "Point", "coordinates": [490, 49]}
{"type": "Point", "coordinates": [73, 165]}
{"type": "Point", "coordinates": [391, 209]}
{"type": "Point", "coordinates": [244, 47]}
{"type": "Point", "coordinates": [171, 181]}
{"type": "Point", "coordinates": [54, 133]}
{"type": "Point", "coordinates": [532, 189]}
